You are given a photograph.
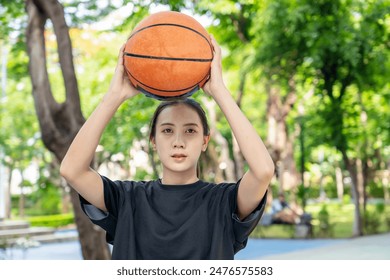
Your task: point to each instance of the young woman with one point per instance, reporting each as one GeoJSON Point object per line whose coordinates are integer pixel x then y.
{"type": "Point", "coordinates": [177, 216]}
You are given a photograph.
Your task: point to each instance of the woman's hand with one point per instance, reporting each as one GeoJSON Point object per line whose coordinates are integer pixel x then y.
{"type": "Point", "coordinates": [120, 84]}
{"type": "Point", "coordinates": [215, 81]}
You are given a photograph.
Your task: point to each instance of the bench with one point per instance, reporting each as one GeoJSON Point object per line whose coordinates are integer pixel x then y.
{"type": "Point", "coordinates": [15, 233]}
{"type": "Point", "coordinates": [4, 225]}
{"type": "Point", "coordinates": [301, 230]}
{"type": "Point", "coordinates": [9, 237]}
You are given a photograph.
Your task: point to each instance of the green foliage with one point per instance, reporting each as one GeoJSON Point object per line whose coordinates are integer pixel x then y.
{"type": "Point", "coordinates": [322, 46]}
{"type": "Point", "coordinates": [127, 125]}
{"type": "Point", "coordinates": [313, 192]}
{"type": "Point", "coordinates": [11, 17]}
{"type": "Point", "coordinates": [19, 135]}
{"type": "Point", "coordinates": [331, 190]}
{"type": "Point", "coordinates": [375, 189]}
{"type": "Point", "coordinates": [54, 221]}
{"type": "Point", "coordinates": [372, 219]}
{"type": "Point", "coordinates": [46, 200]}
{"type": "Point", "coordinates": [387, 222]}
{"type": "Point", "coordinates": [340, 218]}
{"type": "Point", "coordinates": [141, 175]}
{"type": "Point", "coordinates": [380, 208]}
{"type": "Point", "coordinates": [81, 12]}
{"type": "Point", "coordinates": [174, 5]}
{"type": "Point", "coordinates": [14, 201]}
{"type": "Point", "coordinates": [301, 193]}
{"type": "Point", "coordinates": [371, 222]}
{"type": "Point", "coordinates": [325, 228]}
{"type": "Point", "coordinates": [274, 231]}
{"type": "Point", "coordinates": [279, 49]}
{"type": "Point", "coordinates": [17, 69]}
{"type": "Point", "coordinates": [233, 21]}
{"type": "Point", "coordinates": [346, 199]}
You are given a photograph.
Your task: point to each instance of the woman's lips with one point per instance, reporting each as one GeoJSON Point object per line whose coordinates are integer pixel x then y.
{"type": "Point", "coordinates": [179, 156]}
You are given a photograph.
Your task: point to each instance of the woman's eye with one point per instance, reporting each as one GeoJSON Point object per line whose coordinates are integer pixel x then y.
{"type": "Point", "coordinates": [167, 130]}
{"type": "Point", "coordinates": [190, 130]}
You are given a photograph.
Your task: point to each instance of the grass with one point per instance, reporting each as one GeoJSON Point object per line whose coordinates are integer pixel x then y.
{"type": "Point", "coordinates": [55, 221]}
{"type": "Point", "coordinates": [340, 217]}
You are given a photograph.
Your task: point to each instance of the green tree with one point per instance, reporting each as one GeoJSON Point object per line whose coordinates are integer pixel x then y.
{"type": "Point", "coordinates": [19, 135]}
{"type": "Point", "coordinates": [58, 106]}
{"type": "Point", "coordinates": [335, 45]}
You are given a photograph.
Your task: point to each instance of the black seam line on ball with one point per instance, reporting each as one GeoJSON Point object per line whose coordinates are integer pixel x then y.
{"type": "Point", "coordinates": [168, 58]}
{"type": "Point", "coordinates": [162, 90]}
{"type": "Point", "coordinates": [169, 24]}
{"type": "Point", "coordinates": [177, 25]}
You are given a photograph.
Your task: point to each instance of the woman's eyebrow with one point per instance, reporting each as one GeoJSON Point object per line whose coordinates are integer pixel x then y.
{"type": "Point", "coordinates": [191, 124]}
{"type": "Point", "coordinates": [167, 124]}
{"type": "Point", "coordinates": [187, 124]}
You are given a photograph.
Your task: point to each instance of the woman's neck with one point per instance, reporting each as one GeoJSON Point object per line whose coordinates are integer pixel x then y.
{"type": "Point", "coordinates": [178, 178]}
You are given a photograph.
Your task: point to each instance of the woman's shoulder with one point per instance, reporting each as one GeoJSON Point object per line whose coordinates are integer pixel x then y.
{"type": "Point", "coordinates": [221, 186]}
{"type": "Point", "coordinates": [224, 184]}
{"type": "Point", "coordinates": [127, 184]}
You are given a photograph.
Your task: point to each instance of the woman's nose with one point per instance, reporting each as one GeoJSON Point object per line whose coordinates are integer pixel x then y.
{"type": "Point", "coordinates": [178, 142]}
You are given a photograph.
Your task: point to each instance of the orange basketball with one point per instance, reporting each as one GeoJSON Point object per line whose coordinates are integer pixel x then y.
{"type": "Point", "coordinates": [168, 55]}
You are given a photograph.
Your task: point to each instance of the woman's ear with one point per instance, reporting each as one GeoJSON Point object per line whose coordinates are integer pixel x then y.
{"type": "Point", "coordinates": [153, 142]}
{"type": "Point", "coordinates": [206, 140]}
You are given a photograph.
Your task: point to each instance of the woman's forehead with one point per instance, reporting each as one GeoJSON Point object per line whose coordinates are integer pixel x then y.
{"type": "Point", "coordinates": [178, 114]}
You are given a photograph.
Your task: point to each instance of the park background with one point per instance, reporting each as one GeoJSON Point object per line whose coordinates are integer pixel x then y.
{"type": "Point", "coordinates": [311, 76]}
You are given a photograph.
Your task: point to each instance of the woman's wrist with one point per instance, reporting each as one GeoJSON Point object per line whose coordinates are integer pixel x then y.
{"type": "Point", "coordinates": [219, 93]}
{"type": "Point", "coordinates": [113, 99]}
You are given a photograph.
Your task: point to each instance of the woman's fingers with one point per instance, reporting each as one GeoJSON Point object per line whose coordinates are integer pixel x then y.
{"type": "Point", "coordinates": [216, 47]}
{"type": "Point", "coordinates": [121, 55]}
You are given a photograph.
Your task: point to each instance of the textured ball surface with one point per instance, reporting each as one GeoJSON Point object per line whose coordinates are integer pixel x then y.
{"type": "Point", "coordinates": [168, 55]}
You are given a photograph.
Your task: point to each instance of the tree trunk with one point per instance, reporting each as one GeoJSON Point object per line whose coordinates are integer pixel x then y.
{"type": "Point", "coordinates": [59, 123]}
{"type": "Point", "coordinates": [238, 158]}
{"type": "Point", "coordinates": [8, 196]}
{"type": "Point", "coordinates": [280, 144]}
{"type": "Point", "coordinates": [336, 123]}
{"type": "Point", "coordinates": [224, 165]}
{"type": "Point", "coordinates": [65, 198]}
{"type": "Point", "coordinates": [210, 164]}
{"type": "Point", "coordinates": [21, 197]}
{"type": "Point", "coordinates": [360, 183]}
{"type": "Point", "coordinates": [357, 229]}
{"type": "Point", "coordinates": [363, 166]}
{"type": "Point", "coordinates": [339, 183]}
{"type": "Point", "coordinates": [385, 175]}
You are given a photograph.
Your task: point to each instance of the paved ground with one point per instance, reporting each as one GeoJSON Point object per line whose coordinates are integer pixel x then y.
{"type": "Point", "coordinates": [263, 248]}
{"type": "Point", "coordinates": [375, 247]}
{"type": "Point", "coordinates": [363, 248]}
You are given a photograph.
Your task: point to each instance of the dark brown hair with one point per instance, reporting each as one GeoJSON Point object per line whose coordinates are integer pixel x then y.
{"type": "Point", "coordinates": [188, 102]}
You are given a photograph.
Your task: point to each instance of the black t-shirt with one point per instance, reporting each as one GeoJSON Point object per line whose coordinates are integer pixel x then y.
{"type": "Point", "coordinates": [150, 220]}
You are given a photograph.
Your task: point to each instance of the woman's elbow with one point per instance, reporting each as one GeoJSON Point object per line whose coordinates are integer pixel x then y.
{"type": "Point", "coordinates": [66, 170]}
{"type": "Point", "coordinates": [266, 173]}
{"type": "Point", "coordinates": [270, 171]}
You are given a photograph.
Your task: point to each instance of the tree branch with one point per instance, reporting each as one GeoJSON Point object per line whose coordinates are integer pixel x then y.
{"type": "Point", "coordinates": [290, 99]}
{"type": "Point", "coordinates": [55, 12]}
{"type": "Point", "coordinates": [44, 101]}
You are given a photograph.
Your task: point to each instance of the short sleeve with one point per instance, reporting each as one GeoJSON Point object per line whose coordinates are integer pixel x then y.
{"type": "Point", "coordinates": [242, 229]}
{"type": "Point", "coordinates": [113, 199]}
{"type": "Point", "coordinates": [114, 195]}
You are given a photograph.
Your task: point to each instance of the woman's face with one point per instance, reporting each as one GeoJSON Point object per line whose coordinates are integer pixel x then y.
{"type": "Point", "coordinates": [179, 139]}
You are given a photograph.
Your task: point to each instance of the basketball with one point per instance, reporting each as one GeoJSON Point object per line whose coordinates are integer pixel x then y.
{"type": "Point", "coordinates": [168, 55]}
